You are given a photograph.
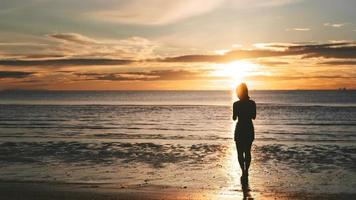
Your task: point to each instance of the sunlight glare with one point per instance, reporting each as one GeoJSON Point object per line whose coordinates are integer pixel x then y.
{"type": "Point", "coordinates": [236, 72]}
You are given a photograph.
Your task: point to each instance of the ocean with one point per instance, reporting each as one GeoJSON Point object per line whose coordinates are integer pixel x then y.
{"type": "Point", "coordinates": [305, 140]}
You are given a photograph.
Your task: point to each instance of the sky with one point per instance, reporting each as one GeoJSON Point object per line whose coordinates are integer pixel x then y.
{"type": "Point", "coordinates": [177, 44]}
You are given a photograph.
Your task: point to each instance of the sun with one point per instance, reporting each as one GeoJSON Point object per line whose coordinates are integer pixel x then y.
{"type": "Point", "coordinates": [235, 72]}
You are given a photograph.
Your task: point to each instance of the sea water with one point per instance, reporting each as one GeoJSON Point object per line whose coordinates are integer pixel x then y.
{"type": "Point", "coordinates": [305, 140]}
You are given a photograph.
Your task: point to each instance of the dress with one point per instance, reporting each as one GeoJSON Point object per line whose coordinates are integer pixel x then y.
{"type": "Point", "coordinates": [244, 111]}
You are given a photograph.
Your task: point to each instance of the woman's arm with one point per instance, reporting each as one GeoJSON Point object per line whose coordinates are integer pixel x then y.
{"type": "Point", "coordinates": [253, 110]}
{"type": "Point", "coordinates": [234, 111]}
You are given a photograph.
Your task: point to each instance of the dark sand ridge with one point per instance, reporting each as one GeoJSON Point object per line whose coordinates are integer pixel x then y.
{"type": "Point", "coordinates": [157, 155]}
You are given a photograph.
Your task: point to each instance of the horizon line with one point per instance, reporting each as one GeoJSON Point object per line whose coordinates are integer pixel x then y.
{"type": "Point", "coordinates": [193, 90]}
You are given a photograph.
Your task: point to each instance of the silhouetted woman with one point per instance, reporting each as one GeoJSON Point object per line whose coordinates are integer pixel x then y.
{"type": "Point", "coordinates": [245, 111]}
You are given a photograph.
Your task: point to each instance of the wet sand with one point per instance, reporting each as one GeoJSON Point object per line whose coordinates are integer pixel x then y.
{"type": "Point", "coordinates": [170, 171]}
{"type": "Point", "coordinates": [60, 191]}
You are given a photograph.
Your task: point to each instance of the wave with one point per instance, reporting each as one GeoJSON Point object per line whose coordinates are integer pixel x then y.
{"type": "Point", "coordinates": [310, 124]}
{"type": "Point", "coordinates": [174, 104]}
{"type": "Point", "coordinates": [159, 137]}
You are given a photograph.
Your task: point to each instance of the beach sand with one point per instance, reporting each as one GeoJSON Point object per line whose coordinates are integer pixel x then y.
{"type": "Point", "coordinates": [278, 171]}
{"type": "Point", "coordinates": [60, 191]}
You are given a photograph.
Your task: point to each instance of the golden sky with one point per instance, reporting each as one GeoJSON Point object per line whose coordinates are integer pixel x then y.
{"type": "Point", "coordinates": [177, 45]}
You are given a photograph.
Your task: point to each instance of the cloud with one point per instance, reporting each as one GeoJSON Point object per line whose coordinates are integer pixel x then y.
{"type": "Point", "coordinates": [274, 3]}
{"type": "Point", "coordinates": [221, 51]}
{"type": "Point", "coordinates": [87, 52]}
{"type": "Point", "coordinates": [339, 62]}
{"type": "Point", "coordinates": [326, 50]}
{"type": "Point", "coordinates": [65, 62]}
{"type": "Point", "coordinates": [75, 45]}
{"type": "Point", "coordinates": [19, 44]}
{"type": "Point", "coordinates": [78, 45]}
{"type": "Point", "coordinates": [308, 50]}
{"type": "Point", "coordinates": [73, 37]}
{"type": "Point", "coordinates": [154, 75]}
{"type": "Point", "coordinates": [229, 56]}
{"type": "Point", "coordinates": [343, 49]}
{"type": "Point", "coordinates": [22, 49]}
{"type": "Point", "coordinates": [301, 29]}
{"type": "Point", "coordinates": [299, 77]}
{"type": "Point", "coordinates": [156, 12]}
{"type": "Point", "coordinates": [15, 74]}
{"type": "Point", "coordinates": [335, 25]}
{"type": "Point", "coordinates": [260, 4]}
{"type": "Point", "coordinates": [272, 63]}
{"type": "Point", "coordinates": [332, 50]}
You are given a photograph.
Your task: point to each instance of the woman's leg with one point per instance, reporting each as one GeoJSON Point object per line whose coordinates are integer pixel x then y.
{"type": "Point", "coordinates": [247, 158]}
{"type": "Point", "coordinates": [240, 157]}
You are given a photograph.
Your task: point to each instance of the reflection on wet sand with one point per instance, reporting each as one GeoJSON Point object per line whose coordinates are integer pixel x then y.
{"type": "Point", "coordinates": [235, 188]}
{"type": "Point", "coordinates": [275, 171]}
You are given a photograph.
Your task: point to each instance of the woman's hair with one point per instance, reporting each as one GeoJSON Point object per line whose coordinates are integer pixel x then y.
{"type": "Point", "coordinates": [242, 92]}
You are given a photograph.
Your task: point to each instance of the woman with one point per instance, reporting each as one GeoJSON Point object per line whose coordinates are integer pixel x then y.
{"type": "Point", "coordinates": [245, 111]}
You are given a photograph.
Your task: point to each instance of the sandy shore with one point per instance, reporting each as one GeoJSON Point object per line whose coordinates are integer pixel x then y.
{"type": "Point", "coordinates": [54, 191]}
